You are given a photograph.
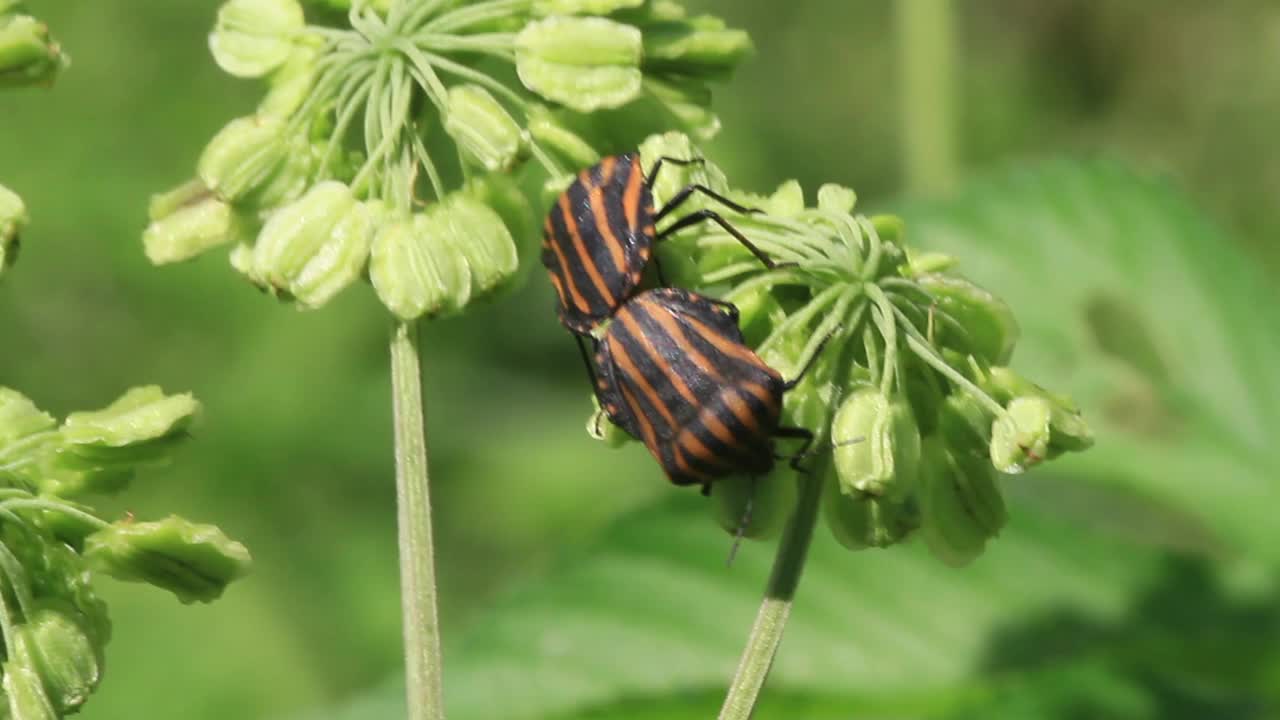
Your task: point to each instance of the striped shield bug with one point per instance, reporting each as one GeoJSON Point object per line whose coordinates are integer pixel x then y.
{"type": "Point", "coordinates": [672, 370]}
{"type": "Point", "coordinates": [599, 235]}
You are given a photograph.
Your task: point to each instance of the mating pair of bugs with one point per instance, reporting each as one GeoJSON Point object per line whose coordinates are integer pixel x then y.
{"type": "Point", "coordinates": [671, 368]}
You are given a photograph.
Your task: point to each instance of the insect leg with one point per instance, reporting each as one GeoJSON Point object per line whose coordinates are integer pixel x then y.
{"type": "Point", "coordinates": [742, 523]}
{"type": "Point", "coordinates": [653, 174]}
{"type": "Point", "coordinates": [703, 215]}
{"type": "Point", "coordinates": [790, 384]}
{"type": "Point", "coordinates": [687, 192]}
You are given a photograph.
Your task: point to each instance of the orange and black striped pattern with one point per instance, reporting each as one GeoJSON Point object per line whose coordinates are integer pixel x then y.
{"type": "Point", "coordinates": [597, 239]}
{"type": "Point", "coordinates": [673, 371]}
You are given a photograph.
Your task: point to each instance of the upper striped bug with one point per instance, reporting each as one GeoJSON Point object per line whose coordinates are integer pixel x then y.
{"type": "Point", "coordinates": [673, 371]}
{"type": "Point", "coordinates": [599, 235]}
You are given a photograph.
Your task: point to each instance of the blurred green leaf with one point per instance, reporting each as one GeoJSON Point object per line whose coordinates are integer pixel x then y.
{"type": "Point", "coordinates": [1136, 304]}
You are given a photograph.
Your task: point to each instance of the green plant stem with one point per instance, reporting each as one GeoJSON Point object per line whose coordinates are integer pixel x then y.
{"type": "Point", "coordinates": [788, 566]}
{"type": "Point", "coordinates": [926, 61]}
{"type": "Point", "coordinates": [417, 560]}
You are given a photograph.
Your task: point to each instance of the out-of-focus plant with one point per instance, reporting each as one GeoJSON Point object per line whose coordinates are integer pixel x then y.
{"type": "Point", "coordinates": [52, 623]}
{"type": "Point", "coordinates": [399, 141]}
{"type": "Point", "coordinates": [915, 410]}
{"type": "Point", "coordinates": [53, 627]}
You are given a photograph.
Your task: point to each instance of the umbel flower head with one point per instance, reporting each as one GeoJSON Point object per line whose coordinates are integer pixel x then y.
{"type": "Point", "coordinates": [915, 410]}
{"type": "Point", "coordinates": [53, 626]}
{"type": "Point", "coordinates": [396, 139]}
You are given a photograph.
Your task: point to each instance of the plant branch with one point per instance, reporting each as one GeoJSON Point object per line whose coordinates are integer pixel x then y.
{"type": "Point", "coordinates": [417, 561]}
{"type": "Point", "coordinates": [788, 565]}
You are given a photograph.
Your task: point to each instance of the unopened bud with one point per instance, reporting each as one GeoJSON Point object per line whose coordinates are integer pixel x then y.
{"type": "Point", "coordinates": [27, 55]}
{"type": "Point", "coordinates": [689, 102]}
{"type": "Point", "coordinates": [1020, 437]}
{"type": "Point", "coordinates": [415, 269]}
{"type": "Point", "coordinates": [550, 132]}
{"type": "Point", "coordinates": [836, 199]}
{"type": "Point", "coordinates": [62, 653]}
{"type": "Point", "coordinates": [195, 562]}
{"type": "Point", "coordinates": [860, 521]}
{"type": "Point", "coordinates": [1068, 431]}
{"type": "Point", "coordinates": [316, 246]}
{"type": "Point", "coordinates": [243, 156]}
{"type": "Point", "coordinates": [877, 445]}
{"type": "Point", "coordinates": [700, 46]}
{"type": "Point", "coordinates": [142, 426]}
{"type": "Point", "coordinates": [987, 327]}
{"type": "Point", "coordinates": [291, 82]}
{"type": "Point", "coordinates": [960, 503]}
{"type": "Point", "coordinates": [483, 129]}
{"type": "Point", "coordinates": [584, 63]}
{"type": "Point", "coordinates": [189, 220]}
{"type": "Point", "coordinates": [253, 37]}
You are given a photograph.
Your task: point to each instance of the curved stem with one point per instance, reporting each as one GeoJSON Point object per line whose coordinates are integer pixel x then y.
{"type": "Point", "coordinates": [788, 566]}
{"type": "Point", "coordinates": [417, 560]}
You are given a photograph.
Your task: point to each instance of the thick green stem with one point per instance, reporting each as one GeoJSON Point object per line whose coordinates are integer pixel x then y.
{"type": "Point", "coordinates": [926, 61]}
{"type": "Point", "coordinates": [417, 561]}
{"type": "Point", "coordinates": [788, 565]}
{"type": "Point", "coordinates": [771, 619]}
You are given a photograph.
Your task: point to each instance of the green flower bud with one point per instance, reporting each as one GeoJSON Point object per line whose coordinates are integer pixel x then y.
{"type": "Point", "coordinates": [20, 418]}
{"type": "Point", "coordinates": [549, 132]}
{"type": "Point", "coordinates": [194, 562]}
{"type": "Point", "coordinates": [291, 82]}
{"type": "Point", "coordinates": [67, 661]}
{"type": "Point", "coordinates": [960, 503]}
{"type": "Point", "coordinates": [965, 424]}
{"type": "Point", "coordinates": [700, 46]}
{"type": "Point", "coordinates": [689, 102]}
{"type": "Point", "coordinates": [837, 199]}
{"type": "Point", "coordinates": [483, 129]}
{"type": "Point", "coordinates": [504, 197]}
{"type": "Point", "coordinates": [1068, 430]}
{"type": "Point", "coordinates": [458, 249]}
{"type": "Point", "coordinates": [481, 237]}
{"type": "Point", "coordinates": [862, 521]}
{"type": "Point", "coordinates": [584, 63]}
{"type": "Point", "coordinates": [13, 218]}
{"type": "Point", "coordinates": [543, 8]}
{"type": "Point", "coordinates": [889, 228]}
{"type": "Point", "coordinates": [243, 157]}
{"type": "Point", "coordinates": [189, 220]}
{"type": "Point", "coordinates": [415, 270]}
{"type": "Point", "coordinates": [27, 55]}
{"type": "Point", "coordinates": [316, 246]}
{"type": "Point", "coordinates": [926, 263]}
{"type": "Point", "coordinates": [990, 330]}
{"type": "Point", "coordinates": [24, 689]}
{"type": "Point", "coordinates": [142, 426]}
{"type": "Point", "coordinates": [1020, 437]}
{"type": "Point", "coordinates": [253, 37]}
{"type": "Point", "coordinates": [884, 460]}
{"type": "Point", "coordinates": [770, 499]}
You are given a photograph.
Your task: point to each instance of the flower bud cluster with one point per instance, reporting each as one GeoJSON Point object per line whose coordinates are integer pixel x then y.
{"type": "Point", "coordinates": [53, 626]}
{"type": "Point", "coordinates": [392, 146]}
{"type": "Point", "coordinates": [915, 408]}
{"type": "Point", "coordinates": [28, 56]}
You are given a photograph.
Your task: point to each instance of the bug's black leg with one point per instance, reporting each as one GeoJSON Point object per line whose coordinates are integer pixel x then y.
{"type": "Point", "coordinates": [653, 174]}
{"type": "Point", "coordinates": [790, 384]}
{"type": "Point", "coordinates": [586, 361]}
{"type": "Point", "coordinates": [703, 215]}
{"type": "Point", "coordinates": [706, 489]}
{"type": "Point", "coordinates": [743, 522]}
{"type": "Point", "coordinates": [687, 192]}
{"type": "Point", "coordinates": [657, 268]}
{"type": "Point", "coordinates": [804, 452]}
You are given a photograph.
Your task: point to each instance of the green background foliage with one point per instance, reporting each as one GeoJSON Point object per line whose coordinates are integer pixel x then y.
{"type": "Point", "coordinates": [1135, 581]}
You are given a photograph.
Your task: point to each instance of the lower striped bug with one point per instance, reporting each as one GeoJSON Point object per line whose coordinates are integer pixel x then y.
{"type": "Point", "coordinates": [599, 235]}
{"type": "Point", "coordinates": [673, 371]}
